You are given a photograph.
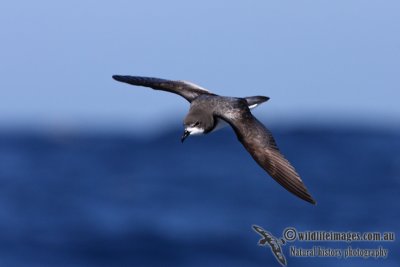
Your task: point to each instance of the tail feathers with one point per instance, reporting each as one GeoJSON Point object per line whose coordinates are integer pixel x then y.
{"type": "Point", "coordinates": [254, 101]}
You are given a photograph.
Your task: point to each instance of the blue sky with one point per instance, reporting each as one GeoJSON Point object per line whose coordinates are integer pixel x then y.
{"type": "Point", "coordinates": [317, 60]}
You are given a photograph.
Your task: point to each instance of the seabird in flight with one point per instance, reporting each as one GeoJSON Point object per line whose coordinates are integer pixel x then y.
{"type": "Point", "coordinates": [209, 112]}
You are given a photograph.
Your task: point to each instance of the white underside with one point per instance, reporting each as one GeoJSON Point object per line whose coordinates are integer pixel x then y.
{"type": "Point", "coordinates": [253, 106]}
{"type": "Point", "coordinates": [195, 130]}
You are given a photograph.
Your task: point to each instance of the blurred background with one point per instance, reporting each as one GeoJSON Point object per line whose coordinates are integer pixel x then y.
{"type": "Point", "coordinates": [92, 172]}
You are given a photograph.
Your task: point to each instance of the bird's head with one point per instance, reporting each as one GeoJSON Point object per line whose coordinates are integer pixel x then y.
{"type": "Point", "coordinates": [194, 128]}
{"type": "Point", "coordinates": [197, 123]}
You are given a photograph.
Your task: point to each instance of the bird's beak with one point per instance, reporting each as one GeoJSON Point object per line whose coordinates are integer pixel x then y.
{"type": "Point", "coordinates": [186, 133]}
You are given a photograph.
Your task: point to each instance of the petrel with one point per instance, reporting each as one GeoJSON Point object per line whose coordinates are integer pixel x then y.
{"type": "Point", "coordinates": [209, 111]}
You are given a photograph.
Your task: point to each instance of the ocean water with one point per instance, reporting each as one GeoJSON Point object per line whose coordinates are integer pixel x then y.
{"type": "Point", "coordinates": [119, 200]}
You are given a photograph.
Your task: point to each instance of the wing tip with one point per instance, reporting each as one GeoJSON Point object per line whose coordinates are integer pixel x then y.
{"type": "Point", "coordinates": [304, 195]}
{"type": "Point", "coordinates": [311, 200]}
{"type": "Point", "coordinates": [119, 78]}
{"type": "Point", "coordinates": [253, 101]}
{"type": "Point", "coordinates": [265, 98]}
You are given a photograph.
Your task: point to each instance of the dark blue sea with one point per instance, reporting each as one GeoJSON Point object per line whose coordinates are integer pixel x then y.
{"type": "Point", "coordinates": [118, 199]}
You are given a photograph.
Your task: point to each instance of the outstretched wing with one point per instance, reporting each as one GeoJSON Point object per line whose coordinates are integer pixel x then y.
{"type": "Point", "coordinates": [187, 90]}
{"type": "Point", "coordinates": [261, 145]}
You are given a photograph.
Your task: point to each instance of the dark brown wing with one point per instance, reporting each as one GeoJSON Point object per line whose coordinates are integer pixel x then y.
{"type": "Point", "coordinates": [187, 90]}
{"type": "Point", "coordinates": [261, 145]}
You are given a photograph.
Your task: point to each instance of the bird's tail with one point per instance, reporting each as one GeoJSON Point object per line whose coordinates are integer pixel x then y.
{"type": "Point", "coordinates": [254, 101]}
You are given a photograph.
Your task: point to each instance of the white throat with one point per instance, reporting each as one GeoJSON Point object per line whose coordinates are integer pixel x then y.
{"type": "Point", "coordinates": [195, 130]}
